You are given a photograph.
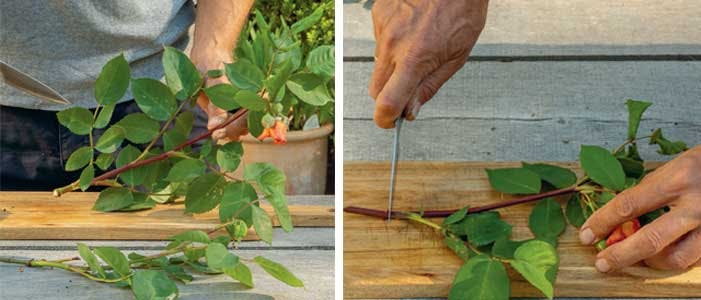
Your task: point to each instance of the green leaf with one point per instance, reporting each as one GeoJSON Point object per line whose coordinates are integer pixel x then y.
{"type": "Point", "coordinates": [308, 21]}
{"type": "Point", "coordinates": [505, 248]}
{"type": "Point", "coordinates": [557, 176]}
{"type": "Point", "coordinates": [178, 273]}
{"type": "Point", "coordinates": [455, 217]}
{"type": "Point", "coordinates": [278, 271]}
{"type": "Point", "coordinates": [262, 224]}
{"type": "Point", "coordinates": [218, 257]}
{"type": "Point", "coordinates": [250, 100]}
{"type": "Point", "coordinates": [309, 88]}
{"type": "Point", "coordinates": [546, 219]}
{"type": "Point", "coordinates": [134, 176]}
{"type": "Point", "coordinates": [104, 117]}
{"type": "Point", "coordinates": [204, 193]}
{"type": "Point", "coordinates": [79, 158]}
{"type": "Point", "coordinates": [139, 128]}
{"type": "Point", "coordinates": [575, 212]}
{"type": "Point", "coordinates": [484, 228]}
{"type": "Point", "coordinates": [535, 260]}
{"type": "Point", "coordinates": [667, 147]}
{"type": "Point", "coordinates": [245, 75]}
{"type": "Point", "coordinates": [237, 199]}
{"type": "Point", "coordinates": [110, 140]}
{"type": "Point", "coordinates": [184, 122]}
{"type": "Point", "coordinates": [222, 95]}
{"type": "Point", "coordinates": [77, 119]}
{"type": "Point", "coordinates": [186, 170]}
{"type": "Point", "coordinates": [254, 125]}
{"type": "Point", "coordinates": [635, 113]}
{"type": "Point", "coordinates": [481, 278]}
{"type": "Point", "coordinates": [173, 138]}
{"type": "Point", "coordinates": [458, 246]}
{"type": "Point", "coordinates": [113, 81]}
{"type": "Point", "coordinates": [229, 156]}
{"type": "Point", "coordinates": [154, 98]}
{"type": "Point", "coordinates": [514, 180]}
{"type": "Point", "coordinates": [321, 61]}
{"type": "Point", "coordinates": [632, 168]}
{"type": "Point", "coordinates": [180, 72]}
{"type": "Point", "coordinates": [86, 177]}
{"type": "Point", "coordinates": [196, 236]}
{"type": "Point", "coordinates": [153, 285]}
{"type": "Point", "coordinates": [141, 202]}
{"type": "Point", "coordinates": [91, 260]}
{"type": "Point", "coordinates": [241, 273]}
{"type": "Point", "coordinates": [215, 73]}
{"type": "Point", "coordinates": [112, 199]}
{"type": "Point", "coordinates": [115, 259]}
{"type": "Point", "coordinates": [272, 183]}
{"type": "Point", "coordinates": [604, 198]}
{"type": "Point", "coordinates": [602, 167]}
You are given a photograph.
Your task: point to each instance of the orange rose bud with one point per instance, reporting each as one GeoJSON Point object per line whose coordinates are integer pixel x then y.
{"type": "Point", "coordinates": [630, 227]}
{"type": "Point", "coordinates": [278, 132]}
{"type": "Point", "coordinates": [623, 231]}
{"type": "Point", "coordinates": [615, 237]}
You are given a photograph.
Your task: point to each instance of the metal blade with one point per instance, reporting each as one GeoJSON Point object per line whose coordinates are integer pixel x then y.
{"type": "Point", "coordinates": [29, 84]}
{"type": "Point", "coordinates": [393, 174]}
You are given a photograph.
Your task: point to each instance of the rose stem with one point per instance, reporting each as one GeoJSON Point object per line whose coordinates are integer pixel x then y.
{"type": "Point", "coordinates": [444, 213]}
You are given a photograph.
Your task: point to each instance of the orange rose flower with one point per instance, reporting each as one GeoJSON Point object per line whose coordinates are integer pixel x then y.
{"type": "Point", "coordinates": [623, 231]}
{"type": "Point", "coordinates": [278, 132]}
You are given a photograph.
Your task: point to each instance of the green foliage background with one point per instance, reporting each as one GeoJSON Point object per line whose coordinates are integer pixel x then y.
{"type": "Point", "coordinates": [294, 10]}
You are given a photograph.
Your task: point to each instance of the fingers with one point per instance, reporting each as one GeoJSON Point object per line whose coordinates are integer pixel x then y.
{"type": "Point", "coordinates": [680, 255]}
{"type": "Point", "coordinates": [650, 240]}
{"type": "Point", "coordinates": [627, 205]}
{"type": "Point", "coordinates": [380, 74]}
{"type": "Point", "coordinates": [395, 95]}
{"type": "Point", "coordinates": [433, 82]}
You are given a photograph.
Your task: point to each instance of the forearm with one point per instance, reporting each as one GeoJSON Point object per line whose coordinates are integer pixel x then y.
{"type": "Point", "coordinates": [217, 27]}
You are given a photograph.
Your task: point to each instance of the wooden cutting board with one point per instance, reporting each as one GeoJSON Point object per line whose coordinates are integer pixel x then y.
{"type": "Point", "coordinates": [403, 260]}
{"type": "Point", "coordinates": [39, 215]}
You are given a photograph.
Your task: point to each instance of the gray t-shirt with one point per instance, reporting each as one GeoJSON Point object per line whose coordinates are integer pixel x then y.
{"type": "Point", "coordinates": [65, 43]}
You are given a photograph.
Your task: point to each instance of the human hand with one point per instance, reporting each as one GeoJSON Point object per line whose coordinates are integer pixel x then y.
{"type": "Point", "coordinates": [234, 131]}
{"type": "Point", "coordinates": [420, 45]}
{"type": "Point", "coordinates": [673, 241]}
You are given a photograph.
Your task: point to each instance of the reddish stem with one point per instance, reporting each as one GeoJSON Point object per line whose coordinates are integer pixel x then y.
{"type": "Point", "coordinates": [444, 213]}
{"type": "Point", "coordinates": [165, 155]}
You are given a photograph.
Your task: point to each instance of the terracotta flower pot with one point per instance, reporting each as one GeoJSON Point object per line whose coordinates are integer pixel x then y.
{"type": "Point", "coordinates": [303, 158]}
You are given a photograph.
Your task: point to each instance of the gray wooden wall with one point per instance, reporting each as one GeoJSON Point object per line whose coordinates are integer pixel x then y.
{"type": "Point", "coordinates": [545, 77]}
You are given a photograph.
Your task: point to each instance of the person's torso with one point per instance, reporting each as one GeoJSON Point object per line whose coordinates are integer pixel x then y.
{"type": "Point", "coordinates": [64, 44]}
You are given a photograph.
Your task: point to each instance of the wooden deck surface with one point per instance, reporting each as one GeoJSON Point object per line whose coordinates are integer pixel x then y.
{"type": "Point", "coordinates": [308, 251]}
{"type": "Point", "coordinates": [403, 260]}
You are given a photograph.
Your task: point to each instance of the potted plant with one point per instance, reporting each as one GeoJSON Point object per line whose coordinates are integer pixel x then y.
{"type": "Point", "coordinates": [299, 84]}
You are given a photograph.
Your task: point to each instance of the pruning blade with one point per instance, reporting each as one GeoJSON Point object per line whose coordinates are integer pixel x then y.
{"type": "Point", "coordinates": [393, 174]}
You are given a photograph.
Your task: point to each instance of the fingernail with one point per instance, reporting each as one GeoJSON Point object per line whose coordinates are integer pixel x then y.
{"type": "Point", "coordinates": [602, 265]}
{"type": "Point", "coordinates": [415, 110]}
{"type": "Point", "coordinates": [218, 134]}
{"type": "Point", "coordinates": [586, 236]}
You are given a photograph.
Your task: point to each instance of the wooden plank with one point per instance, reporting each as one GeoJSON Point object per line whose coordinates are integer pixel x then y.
{"type": "Point", "coordinates": [529, 110]}
{"type": "Point", "coordinates": [313, 267]}
{"type": "Point", "coordinates": [563, 27]}
{"type": "Point", "coordinates": [407, 260]}
{"type": "Point", "coordinates": [39, 215]}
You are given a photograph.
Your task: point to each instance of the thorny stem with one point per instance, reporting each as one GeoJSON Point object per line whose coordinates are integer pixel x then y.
{"type": "Point", "coordinates": [107, 175]}
{"type": "Point", "coordinates": [444, 213]}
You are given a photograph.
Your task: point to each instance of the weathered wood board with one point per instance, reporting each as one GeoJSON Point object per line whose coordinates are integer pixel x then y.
{"type": "Point", "coordinates": [39, 215]}
{"type": "Point", "coordinates": [403, 260]}
{"type": "Point", "coordinates": [529, 110]}
{"type": "Point", "coordinates": [563, 27]}
{"type": "Point", "coordinates": [307, 252]}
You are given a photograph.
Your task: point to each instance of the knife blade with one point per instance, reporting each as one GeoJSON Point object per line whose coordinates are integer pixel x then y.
{"type": "Point", "coordinates": [29, 84]}
{"type": "Point", "coordinates": [393, 172]}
